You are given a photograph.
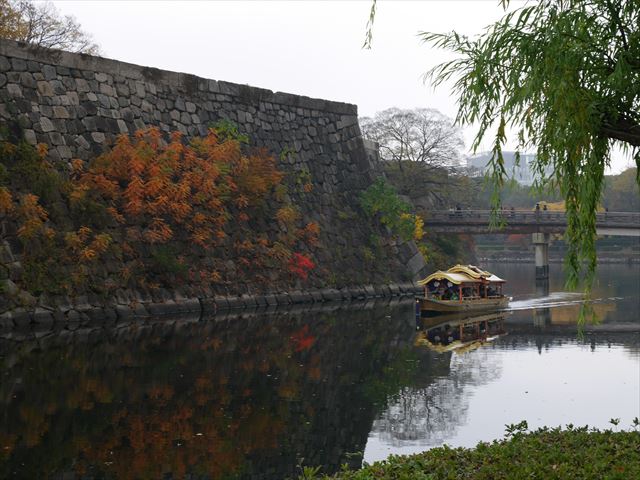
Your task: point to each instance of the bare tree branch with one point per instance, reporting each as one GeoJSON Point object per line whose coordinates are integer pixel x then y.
{"type": "Point", "coordinates": [41, 25]}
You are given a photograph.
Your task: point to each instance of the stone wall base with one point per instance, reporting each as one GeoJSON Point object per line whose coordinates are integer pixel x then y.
{"type": "Point", "coordinates": [80, 314]}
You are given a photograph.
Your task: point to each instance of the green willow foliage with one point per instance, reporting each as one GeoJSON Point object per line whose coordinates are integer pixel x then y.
{"type": "Point", "coordinates": [565, 74]}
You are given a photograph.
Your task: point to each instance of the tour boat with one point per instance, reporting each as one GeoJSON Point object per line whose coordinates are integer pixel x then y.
{"type": "Point", "coordinates": [462, 288]}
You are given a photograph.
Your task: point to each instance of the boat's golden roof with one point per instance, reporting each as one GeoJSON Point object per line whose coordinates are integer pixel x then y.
{"type": "Point", "coordinates": [470, 270]}
{"type": "Point", "coordinates": [456, 278]}
{"type": "Point", "coordinates": [463, 274]}
{"type": "Point", "coordinates": [495, 279]}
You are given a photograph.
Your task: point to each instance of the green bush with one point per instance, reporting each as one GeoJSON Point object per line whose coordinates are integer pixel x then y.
{"type": "Point", "coordinates": [164, 259]}
{"type": "Point", "coordinates": [26, 170]}
{"type": "Point", "coordinates": [228, 130]}
{"type": "Point", "coordinates": [547, 453]}
{"type": "Point", "coordinates": [381, 201]}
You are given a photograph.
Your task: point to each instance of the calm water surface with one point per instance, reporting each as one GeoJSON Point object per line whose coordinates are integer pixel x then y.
{"type": "Point", "coordinates": [255, 396]}
{"type": "Point", "coordinates": [540, 371]}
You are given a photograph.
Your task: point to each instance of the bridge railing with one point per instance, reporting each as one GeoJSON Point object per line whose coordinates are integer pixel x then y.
{"type": "Point", "coordinates": [520, 217]}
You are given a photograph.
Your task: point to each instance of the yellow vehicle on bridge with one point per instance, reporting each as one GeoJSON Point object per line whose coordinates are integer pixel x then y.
{"type": "Point", "coordinates": [558, 206]}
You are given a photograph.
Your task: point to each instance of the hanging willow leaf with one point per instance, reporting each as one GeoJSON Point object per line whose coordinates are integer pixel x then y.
{"type": "Point", "coordinates": [369, 28]}
{"type": "Point", "coordinates": [565, 75]}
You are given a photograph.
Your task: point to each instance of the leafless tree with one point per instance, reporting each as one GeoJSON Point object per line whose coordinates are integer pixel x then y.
{"type": "Point", "coordinates": [41, 24]}
{"type": "Point", "coordinates": [421, 135]}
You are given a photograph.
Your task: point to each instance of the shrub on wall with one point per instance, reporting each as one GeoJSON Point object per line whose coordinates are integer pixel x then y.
{"type": "Point", "coordinates": [160, 210]}
{"type": "Point", "coordinates": [381, 201]}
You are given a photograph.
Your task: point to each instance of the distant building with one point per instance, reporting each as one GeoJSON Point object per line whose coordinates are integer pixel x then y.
{"type": "Point", "coordinates": [522, 173]}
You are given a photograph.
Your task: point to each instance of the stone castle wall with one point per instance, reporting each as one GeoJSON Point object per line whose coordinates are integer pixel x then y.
{"type": "Point", "coordinates": [78, 104]}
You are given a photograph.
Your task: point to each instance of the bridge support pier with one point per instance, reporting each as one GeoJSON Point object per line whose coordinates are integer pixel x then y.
{"type": "Point", "coordinates": [542, 316]}
{"type": "Point", "coordinates": [541, 244]}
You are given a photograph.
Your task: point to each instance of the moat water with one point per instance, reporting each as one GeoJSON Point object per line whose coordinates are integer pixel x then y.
{"type": "Point", "coordinates": [257, 396]}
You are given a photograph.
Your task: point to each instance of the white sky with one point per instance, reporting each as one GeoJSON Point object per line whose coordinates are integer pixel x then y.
{"type": "Point", "coordinates": [310, 48]}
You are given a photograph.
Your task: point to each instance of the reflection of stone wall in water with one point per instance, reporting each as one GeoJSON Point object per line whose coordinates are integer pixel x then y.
{"type": "Point", "coordinates": [432, 413]}
{"type": "Point", "coordinates": [246, 396]}
{"type": "Point", "coordinates": [77, 105]}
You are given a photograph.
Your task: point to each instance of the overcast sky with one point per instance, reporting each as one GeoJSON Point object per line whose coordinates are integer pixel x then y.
{"type": "Point", "coordinates": [304, 47]}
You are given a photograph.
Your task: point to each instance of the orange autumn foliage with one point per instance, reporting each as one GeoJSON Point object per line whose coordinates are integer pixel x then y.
{"type": "Point", "coordinates": [6, 201]}
{"type": "Point", "coordinates": [309, 234]}
{"type": "Point", "coordinates": [287, 215]}
{"type": "Point", "coordinates": [160, 186]}
{"type": "Point", "coordinates": [85, 245]}
{"type": "Point", "coordinates": [163, 210]}
{"type": "Point", "coordinates": [161, 192]}
{"type": "Point", "coordinates": [34, 218]}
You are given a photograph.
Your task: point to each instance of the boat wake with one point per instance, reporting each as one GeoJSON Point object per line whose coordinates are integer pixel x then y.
{"type": "Point", "coordinates": [556, 299]}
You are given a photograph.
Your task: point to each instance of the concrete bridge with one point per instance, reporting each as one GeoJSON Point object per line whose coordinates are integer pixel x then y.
{"type": "Point", "coordinates": [540, 223]}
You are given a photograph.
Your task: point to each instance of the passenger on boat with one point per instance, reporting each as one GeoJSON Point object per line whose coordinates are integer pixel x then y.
{"type": "Point", "coordinates": [448, 336]}
{"type": "Point", "coordinates": [434, 335]}
{"type": "Point", "coordinates": [450, 294]}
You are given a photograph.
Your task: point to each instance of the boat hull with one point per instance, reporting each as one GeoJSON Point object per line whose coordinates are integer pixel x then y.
{"type": "Point", "coordinates": [444, 306]}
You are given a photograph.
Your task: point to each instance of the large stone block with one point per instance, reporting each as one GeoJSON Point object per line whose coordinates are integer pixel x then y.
{"type": "Point", "coordinates": [60, 112]}
{"type": "Point", "coordinates": [14, 90]}
{"type": "Point", "coordinates": [18, 64]}
{"type": "Point", "coordinates": [27, 80]}
{"type": "Point", "coordinates": [46, 125]}
{"type": "Point", "coordinates": [5, 65]}
{"type": "Point", "coordinates": [49, 72]}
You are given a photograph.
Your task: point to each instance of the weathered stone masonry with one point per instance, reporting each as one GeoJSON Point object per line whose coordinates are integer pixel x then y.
{"type": "Point", "coordinates": [78, 104]}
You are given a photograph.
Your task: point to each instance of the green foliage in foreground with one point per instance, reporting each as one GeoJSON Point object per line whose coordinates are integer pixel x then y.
{"type": "Point", "coordinates": [543, 454]}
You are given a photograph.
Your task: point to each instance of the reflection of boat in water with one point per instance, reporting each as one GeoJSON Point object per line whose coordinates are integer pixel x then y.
{"type": "Point", "coordinates": [462, 288]}
{"type": "Point", "coordinates": [459, 332]}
